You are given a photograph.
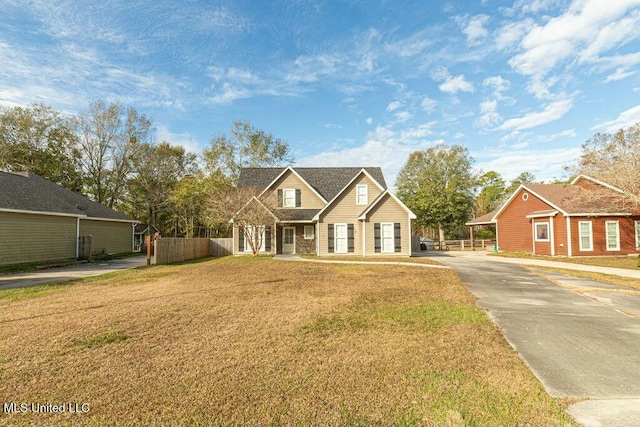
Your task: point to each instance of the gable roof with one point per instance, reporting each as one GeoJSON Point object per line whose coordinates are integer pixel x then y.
{"type": "Point", "coordinates": [486, 219]}
{"type": "Point", "coordinates": [327, 182]}
{"type": "Point", "coordinates": [28, 192]}
{"type": "Point", "coordinates": [363, 215]}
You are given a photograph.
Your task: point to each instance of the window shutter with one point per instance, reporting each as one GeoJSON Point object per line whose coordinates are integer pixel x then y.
{"type": "Point", "coordinates": [330, 235]}
{"type": "Point", "coordinates": [350, 238]}
{"type": "Point", "coordinates": [241, 239]}
{"type": "Point", "coordinates": [376, 235]}
{"type": "Point", "coordinates": [280, 197]}
{"type": "Point", "coordinates": [298, 198]}
{"type": "Point", "coordinates": [267, 238]}
{"type": "Point", "coordinates": [397, 234]}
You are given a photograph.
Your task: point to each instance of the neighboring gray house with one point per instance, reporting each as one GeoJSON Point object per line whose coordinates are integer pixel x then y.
{"type": "Point", "coordinates": [41, 221]}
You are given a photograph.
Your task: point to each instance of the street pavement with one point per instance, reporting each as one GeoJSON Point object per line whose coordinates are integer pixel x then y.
{"type": "Point", "coordinates": [580, 338]}
{"type": "Point", "coordinates": [63, 274]}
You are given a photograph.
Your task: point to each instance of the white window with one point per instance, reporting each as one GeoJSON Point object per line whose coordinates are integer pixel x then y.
{"type": "Point", "coordinates": [637, 234]}
{"type": "Point", "coordinates": [289, 198]}
{"type": "Point", "coordinates": [386, 237]}
{"type": "Point", "coordinates": [613, 235]}
{"type": "Point", "coordinates": [362, 194]}
{"type": "Point", "coordinates": [586, 235]}
{"type": "Point", "coordinates": [542, 232]}
{"type": "Point", "coordinates": [309, 232]}
{"type": "Point", "coordinates": [340, 238]}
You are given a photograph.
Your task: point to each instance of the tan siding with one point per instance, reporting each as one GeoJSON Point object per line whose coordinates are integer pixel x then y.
{"type": "Point", "coordinates": [107, 236]}
{"type": "Point", "coordinates": [31, 238]}
{"type": "Point", "coordinates": [308, 198]}
{"type": "Point", "coordinates": [345, 210]}
{"type": "Point", "coordinates": [388, 210]}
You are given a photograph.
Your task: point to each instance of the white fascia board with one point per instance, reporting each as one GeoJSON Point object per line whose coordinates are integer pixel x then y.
{"type": "Point", "coordinates": [597, 181]}
{"type": "Point", "coordinates": [42, 213]}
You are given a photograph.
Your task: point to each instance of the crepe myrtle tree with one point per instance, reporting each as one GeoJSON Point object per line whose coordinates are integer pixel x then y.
{"type": "Point", "coordinates": [250, 214]}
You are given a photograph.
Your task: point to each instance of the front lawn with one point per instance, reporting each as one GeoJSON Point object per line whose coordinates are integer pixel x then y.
{"type": "Point", "coordinates": [243, 341]}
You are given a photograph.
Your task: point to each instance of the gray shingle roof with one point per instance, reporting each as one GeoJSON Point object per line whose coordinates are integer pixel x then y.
{"type": "Point", "coordinates": [296, 214]}
{"type": "Point", "coordinates": [29, 192]}
{"type": "Point", "coordinates": [326, 181]}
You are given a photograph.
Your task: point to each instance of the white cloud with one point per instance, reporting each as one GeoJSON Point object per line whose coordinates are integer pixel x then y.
{"type": "Point", "coordinates": [509, 35]}
{"type": "Point", "coordinates": [498, 84]}
{"type": "Point", "coordinates": [428, 104]}
{"type": "Point", "coordinates": [544, 164]}
{"type": "Point", "coordinates": [393, 106]}
{"type": "Point", "coordinates": [456, 84]}
{"type": "Point", "coordinates": [488, 114]}
{"type": "Point", "coordinates": [332, 126]}
{"type": "Point", "coordinates": [403, 116]}
{"type": "Point", "coordinates": [369, 120]}
{"type": "Point", "coordinates": [474, 29]}
{"type": "Point", "coordinates": [184, 139]}
{"type": "Point", "coordinates": [626, 119]}
{"type": "Point", "coordinates": [551, 112]}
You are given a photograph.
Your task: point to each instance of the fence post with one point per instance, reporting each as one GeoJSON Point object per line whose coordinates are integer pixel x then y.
{"type": "Point", "coordinates": [462, 245]}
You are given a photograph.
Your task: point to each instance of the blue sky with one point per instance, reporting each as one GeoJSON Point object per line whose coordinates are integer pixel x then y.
{"type": "Point", "coordinates": [521, 83]}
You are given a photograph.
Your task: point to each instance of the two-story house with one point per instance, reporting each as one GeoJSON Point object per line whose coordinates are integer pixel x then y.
{"type": "Point", "coordinates": [327, 211]}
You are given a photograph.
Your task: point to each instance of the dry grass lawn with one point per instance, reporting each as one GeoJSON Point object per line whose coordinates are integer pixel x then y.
{"type": "Point", "coordinates": [242, 341]}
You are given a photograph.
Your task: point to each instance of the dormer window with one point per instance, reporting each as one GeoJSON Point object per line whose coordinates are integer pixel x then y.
{"type": "Point", "coordinates": [289, 198]}
{"type": "Point", "coordinates": [362, 195]}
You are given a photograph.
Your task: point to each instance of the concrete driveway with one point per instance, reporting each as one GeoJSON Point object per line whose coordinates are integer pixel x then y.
{"type": "Point", "coordinates": [579, 337]}
{"type": "Point", "coordinates": [63, 274]}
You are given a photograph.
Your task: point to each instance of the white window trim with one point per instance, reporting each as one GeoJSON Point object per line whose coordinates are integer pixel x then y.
{"type": "Point", "coordinates": [311, 235]}
{"type": "Point", "coordinates": [335, 238]}
{"type": "Point", "coordinates": [263, 240]}
{"type": "Point", "coordinates": [393, 238]}
{"type": "Point", "coordinates": [606, 228]}
{"type": "Point", "coordinates": [637, 224]}
{"type": "Point", "coordinates": [535, 232]}
{"type": "Point", "coordinates": [582, 248]}
{"type": "Point", "coordinates": [284, 197]}
{"type": "Point", "coordinates": [366, 194]}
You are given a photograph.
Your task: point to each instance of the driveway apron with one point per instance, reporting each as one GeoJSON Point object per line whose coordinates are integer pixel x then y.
{"type": "Point", "coordinates": [582, 345]}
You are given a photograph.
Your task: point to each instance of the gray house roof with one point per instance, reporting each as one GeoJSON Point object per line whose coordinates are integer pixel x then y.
{"type": "Point", "coordinates": [26, 191]}
{"type": "Point", "coordinates": [328, 182]}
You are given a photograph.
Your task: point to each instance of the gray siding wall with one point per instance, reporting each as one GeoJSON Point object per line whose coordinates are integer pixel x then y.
{"type": "Point", "coordinates": [32, 238]}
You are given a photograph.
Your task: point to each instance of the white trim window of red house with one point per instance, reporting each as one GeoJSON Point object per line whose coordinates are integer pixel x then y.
{"type": "Point", "coordinates": [638, 234]}
{"type": "Point", "coordinates": [585, 234]}
{"type": "Point", "coordinates": [613, 235]}
{"type": "Point", "coordinates": [542, 232]}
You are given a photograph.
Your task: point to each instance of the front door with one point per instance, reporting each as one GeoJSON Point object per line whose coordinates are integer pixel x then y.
{"type": "Point", "coordinates": [288, 240]}
{"type": "Point", "coordinates": [340, 231]}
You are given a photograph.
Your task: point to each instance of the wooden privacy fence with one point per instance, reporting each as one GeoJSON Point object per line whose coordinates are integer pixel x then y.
{"type": "Point", "coordinates": [169, 250]}
{"type": "Point", "coordinates": [219, 247]}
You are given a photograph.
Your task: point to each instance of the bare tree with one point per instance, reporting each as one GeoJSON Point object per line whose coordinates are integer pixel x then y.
{"type": "Point", "coordinates": [109, 137]}
{"type": "Point", "coordinates": [250, 214]}
{"type": "Point", "coordinates": [615, 159]}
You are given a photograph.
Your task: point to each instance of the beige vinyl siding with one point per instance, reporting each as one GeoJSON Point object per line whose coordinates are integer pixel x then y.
{"type": "Point", "coordinates": [388, 210]}
{"type": "Point", "coordinates": [108, 236]}
{"type": "Point", "coordinates": [31, 238]}
{"type": "Point", "coordinates": [345, 210]}
{"type": "Point", "coordinates": [308, 198]}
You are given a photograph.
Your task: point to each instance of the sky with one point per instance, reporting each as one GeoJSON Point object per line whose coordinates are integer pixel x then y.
{"type": "Point", "coordinates": [522, 83]}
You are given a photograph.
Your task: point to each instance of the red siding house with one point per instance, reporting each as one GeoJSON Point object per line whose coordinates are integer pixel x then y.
{"type": "Point", "coordinates": [565, 219]}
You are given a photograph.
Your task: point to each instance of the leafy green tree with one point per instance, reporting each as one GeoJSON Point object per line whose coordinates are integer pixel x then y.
{"type": "Point", "coordinates": [615, 159]}
{"type": "Point", "coordinates": [491, 194]}
{"type": "Point", "coordinates": [438, 185]}
{"type": "Point", "coordinates": [109, 137]}
{"type": "Point", "coordinates": [157, 171]}
{"type": "Point", "coordinates": [245, 146]}
{"type": "Point", "coordinates": [40, 140]}
{"type": "Point", "coordinates": [523, 178]}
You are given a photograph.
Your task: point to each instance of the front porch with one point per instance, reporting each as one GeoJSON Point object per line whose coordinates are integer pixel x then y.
{"type": "Point", "coordinates": [295, 238]}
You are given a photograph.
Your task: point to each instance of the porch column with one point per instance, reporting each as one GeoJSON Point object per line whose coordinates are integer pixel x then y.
{"type": "Point", "coordinates": [552, 239]}
{"type": "Point", "coordinates": [471, 237]}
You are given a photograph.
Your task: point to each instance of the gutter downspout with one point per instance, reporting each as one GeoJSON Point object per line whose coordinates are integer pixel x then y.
{"type": "Point", "coordinates": [569, 248]}
{"type": "Point", "coordinates": [364, 238]}
{"type": "Point", "coordinates": [77, 237]}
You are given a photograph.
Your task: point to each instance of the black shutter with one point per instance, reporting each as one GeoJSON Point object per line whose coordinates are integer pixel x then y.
{"type": "Point", "coordinates": [298, 198]}
{"type": "Point", "coordinates": [376, 236]}
{"type": "Point", "coordinates": [267, 238]}
{"type": "Point", "coordinates": [350, 238]}
{"type": "Point", "coordinates": [330, 234]}
{"type": "Point", "coordinates": [397, 234]}
{"type": "Point", "coordinates": [279, 197]}
{"type": "Point", "coordinates": [241, 239]}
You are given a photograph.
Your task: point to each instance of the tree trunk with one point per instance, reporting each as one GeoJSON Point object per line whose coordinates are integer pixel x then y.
{"type": "Point", "coordinates": [441, 234]}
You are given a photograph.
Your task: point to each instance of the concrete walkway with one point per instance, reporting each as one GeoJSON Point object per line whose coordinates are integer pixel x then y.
{"type": "Point", "coordinates": [298, 258]}
{"type": "Point", "coordinates": [63, 274]}
{"type": "Point", "coordinates": [623, 272]}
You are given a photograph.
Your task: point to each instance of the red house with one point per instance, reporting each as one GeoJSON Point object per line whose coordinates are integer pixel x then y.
{"type": "Point", "coordinates": [566, 219]}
